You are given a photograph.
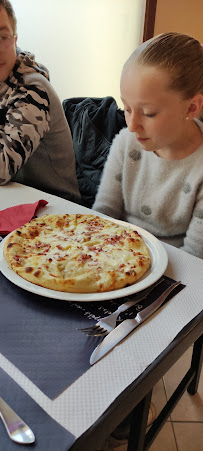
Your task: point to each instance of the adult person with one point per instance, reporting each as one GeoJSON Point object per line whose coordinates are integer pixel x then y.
{"type": "Point", "coordinates": [153, 176]}
{"type": "Point", "coordinates": [35, 140]}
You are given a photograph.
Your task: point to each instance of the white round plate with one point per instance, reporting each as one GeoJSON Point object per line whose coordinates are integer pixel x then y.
{"type": "Point", "coordinates": [159, 261]}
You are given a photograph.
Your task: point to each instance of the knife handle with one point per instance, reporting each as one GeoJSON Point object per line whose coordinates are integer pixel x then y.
{"type": "Point", "coordinates": [138, 297]}
{"type": "Point", "coordinates": [148, 311]}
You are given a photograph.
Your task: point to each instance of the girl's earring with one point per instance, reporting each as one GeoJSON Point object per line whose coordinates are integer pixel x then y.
{"type": "Point", "coordinates": [187, 118]}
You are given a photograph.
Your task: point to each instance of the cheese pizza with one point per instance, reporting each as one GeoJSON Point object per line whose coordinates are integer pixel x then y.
{"type": "Point", "coordinates": [77, 253]}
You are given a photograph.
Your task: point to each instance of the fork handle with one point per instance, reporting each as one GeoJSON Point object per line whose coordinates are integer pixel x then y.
{"type": "Point", "coordinates": [126, 306]}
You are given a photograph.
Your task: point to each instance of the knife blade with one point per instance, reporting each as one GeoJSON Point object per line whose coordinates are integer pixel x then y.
{"type": "Point", "coordinates": [128, 325]}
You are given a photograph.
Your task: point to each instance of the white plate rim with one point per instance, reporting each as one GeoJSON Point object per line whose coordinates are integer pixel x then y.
{"type": "Point", "coordinates": [159, 259]}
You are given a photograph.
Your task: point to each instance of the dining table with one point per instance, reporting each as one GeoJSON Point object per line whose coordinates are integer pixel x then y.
{"type": "Point", "coordinates": [45, 370]}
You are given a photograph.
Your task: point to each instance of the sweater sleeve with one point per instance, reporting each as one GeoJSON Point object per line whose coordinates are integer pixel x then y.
{"type": "Point", "coordinates": [193, 242]}
{"type": "Point", "coordinates": [23, 123]}
{"type": "Point", "coordinates": [109, 199]}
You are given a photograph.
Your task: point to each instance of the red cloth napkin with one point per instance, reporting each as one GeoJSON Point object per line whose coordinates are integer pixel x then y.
{"type": "Point", "coordinates": [14, 217]}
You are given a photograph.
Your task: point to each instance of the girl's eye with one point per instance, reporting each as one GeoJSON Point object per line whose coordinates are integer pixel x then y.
{"type": "Point", "coordinates": [151, 115]}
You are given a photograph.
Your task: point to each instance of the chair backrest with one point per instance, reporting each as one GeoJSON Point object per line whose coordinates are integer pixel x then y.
{"type": "Point", "coordinates": [93, 123]}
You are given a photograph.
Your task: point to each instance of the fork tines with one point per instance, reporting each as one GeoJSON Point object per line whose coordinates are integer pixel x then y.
{"type": "Point", "coordinates": [93, 330]}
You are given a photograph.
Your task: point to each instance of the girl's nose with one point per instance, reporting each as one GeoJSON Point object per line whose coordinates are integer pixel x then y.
{"type": "Point", "coordinates": [134, 123]}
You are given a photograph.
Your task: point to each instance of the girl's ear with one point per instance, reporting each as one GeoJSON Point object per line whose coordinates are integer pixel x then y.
{"type": "Point", "coordinates": [195, 106]}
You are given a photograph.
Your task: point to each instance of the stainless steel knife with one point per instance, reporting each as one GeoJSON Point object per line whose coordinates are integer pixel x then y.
{"type": "Point", "coordinates": [128, 325]}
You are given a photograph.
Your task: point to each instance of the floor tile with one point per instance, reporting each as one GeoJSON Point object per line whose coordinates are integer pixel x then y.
{"type": "Point", "coordinates": [165, 440]}
{"type": "Point", "coordinates": [189, 408]}
{"type": "Point", "coordinates": [189, 436]}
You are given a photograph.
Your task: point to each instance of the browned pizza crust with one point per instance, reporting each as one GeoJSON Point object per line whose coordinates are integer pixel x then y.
{"type": "Point", "coordinates": [77, 253]}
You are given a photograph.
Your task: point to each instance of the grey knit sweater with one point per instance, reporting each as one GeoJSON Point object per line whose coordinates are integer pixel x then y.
{"type": "Point", "coordinates": [164, 197]}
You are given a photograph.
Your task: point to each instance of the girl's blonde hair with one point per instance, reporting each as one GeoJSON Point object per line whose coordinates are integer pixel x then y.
{"type": "Point", "coordinates": [181, 55]}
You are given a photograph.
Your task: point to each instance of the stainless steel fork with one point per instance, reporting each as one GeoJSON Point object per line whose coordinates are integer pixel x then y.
{"type": "Point", "coordinates": [108, 323]}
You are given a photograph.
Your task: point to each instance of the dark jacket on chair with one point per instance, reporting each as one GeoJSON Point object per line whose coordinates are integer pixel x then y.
{"type": "Point", "coordinates": [93, 122]}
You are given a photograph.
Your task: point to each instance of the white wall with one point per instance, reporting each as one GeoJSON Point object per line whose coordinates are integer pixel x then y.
{"type": "Point", "coordinates": [84, 43]}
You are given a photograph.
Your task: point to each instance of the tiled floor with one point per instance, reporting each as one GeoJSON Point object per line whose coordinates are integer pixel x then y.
{"type": "Point", "coordinates": [184, 430]}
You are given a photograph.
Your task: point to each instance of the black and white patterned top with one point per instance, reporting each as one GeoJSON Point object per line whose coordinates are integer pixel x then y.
{"type": "Point", "coordinates": [35, 141]}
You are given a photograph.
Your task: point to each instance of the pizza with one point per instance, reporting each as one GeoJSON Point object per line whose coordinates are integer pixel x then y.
{"type": "Point", "coordinates": [79, 253]}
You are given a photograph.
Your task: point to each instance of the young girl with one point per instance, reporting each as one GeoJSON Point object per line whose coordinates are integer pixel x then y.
{"type": "Point", "coordinates": [153, 176]}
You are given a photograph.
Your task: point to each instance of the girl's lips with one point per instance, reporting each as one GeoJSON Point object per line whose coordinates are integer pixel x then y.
{"type": "Point", "coordinates": [142, 139]}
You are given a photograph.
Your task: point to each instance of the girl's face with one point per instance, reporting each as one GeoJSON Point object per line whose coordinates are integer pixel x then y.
{"type": "Point", "coordinates": [153, 111]}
